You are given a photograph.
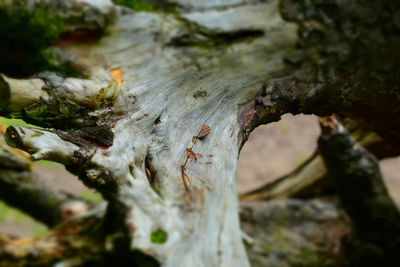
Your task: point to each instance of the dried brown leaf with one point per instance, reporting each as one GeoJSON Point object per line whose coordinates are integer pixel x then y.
{"type": "Point", "coordinates": [117, 75]}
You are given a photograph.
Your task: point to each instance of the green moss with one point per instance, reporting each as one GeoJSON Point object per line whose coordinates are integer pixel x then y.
{"type": "Point", "coordinates": [14, 122]}
{"type": "Point", "coordinates": [45, 115]}
{"type": "Point", "coordinates": [107, 95]}
{"type": "Point", "coordinates": [91, 197]}
{"type": "Point", "coordinates": [48, 163]}
{"type": "Point", "coordinates": [28, 30]}
{"type": "Point", "coordinates": [144, 6]}
{"type": "Point", "coordinates": [137, 5]}
{"type": "Point", "coordinates": [159, 237]}
{"type": "Point", "coordinates": [40, 229]}
{"type": "Point", "coordinates": [65, 68]}
{"type": "Point", "coordinates": [26, 36]}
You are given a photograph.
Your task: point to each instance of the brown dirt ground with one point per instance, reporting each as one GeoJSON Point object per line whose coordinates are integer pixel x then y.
{"type": "Point", "coordinates": [275, 149]}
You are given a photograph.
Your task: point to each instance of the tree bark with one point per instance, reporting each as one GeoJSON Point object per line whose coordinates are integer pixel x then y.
{"type": "Point", "coordinates": [190, 65]}
{"type": "Point", "coordinates": [20, 188]}
{"type": "Point", "coordinates": [363, 195]}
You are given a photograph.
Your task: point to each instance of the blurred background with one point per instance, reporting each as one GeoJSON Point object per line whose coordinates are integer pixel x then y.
{"type": "Point", "coordinates": [272, 151]}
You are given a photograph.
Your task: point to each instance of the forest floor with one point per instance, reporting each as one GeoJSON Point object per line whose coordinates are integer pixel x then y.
{"type": "Point", "coordinates": [271, 152]}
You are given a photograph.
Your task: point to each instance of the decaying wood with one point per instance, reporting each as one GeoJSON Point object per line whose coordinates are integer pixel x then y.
{"type": "Point", "coordinates": [173, 86]}
{"type": "Point", "coordinates": [20, 188]}
{"type": "Point", "coordinates": [363, 195]}
{"type": "Point", "coordinates": [77, 240]}
{"type": "Point", "coordinates": [294, 232]}
{"type": "Point", "coordinates": [231, 65]}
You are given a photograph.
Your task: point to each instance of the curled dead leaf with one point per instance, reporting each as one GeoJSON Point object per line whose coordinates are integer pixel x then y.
{"type": "Point", "coordinates": [117, 75]}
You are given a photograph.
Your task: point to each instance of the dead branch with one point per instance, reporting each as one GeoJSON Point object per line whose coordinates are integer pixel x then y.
{"type": "Point", "coordinates": [20, 188]}
{"type": "Point", "coordinates": [311, 178]}
{"type": "Point", "coordinates": [363, 195]}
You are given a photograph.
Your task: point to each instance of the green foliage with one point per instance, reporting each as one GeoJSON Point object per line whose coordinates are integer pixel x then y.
{"type": "Point", "coordinates": [159, 237]}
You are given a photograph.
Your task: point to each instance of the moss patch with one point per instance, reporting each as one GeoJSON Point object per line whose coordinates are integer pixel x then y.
{"type": "Point", "coordinates": [26, 36]}
{"type": "Point", "coordinates": [91, 197]}
{"type": "Point", "coordinates": [147, 6]}
{"type": "Point", "coordinates": [48, 115]}
{"type": "Point", "coordinates": [136, 5]}
{"type": "Point", "coordinates": [159, 237]}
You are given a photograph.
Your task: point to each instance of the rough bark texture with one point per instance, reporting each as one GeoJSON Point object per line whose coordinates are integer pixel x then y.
{"type": "Point", "coordinates": [230, 65]}
{"type": "Point", "coordinates": [364, 197]}
{"type": "Point", "coordinates": [21, 189]}
{"type": "Point", "coordinates": [345, 63]}
{"type": "Point", "coordinates": [294, 232]}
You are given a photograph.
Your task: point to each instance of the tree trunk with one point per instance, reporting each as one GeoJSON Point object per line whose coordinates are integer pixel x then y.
{"type": "Point", "coordinates": [162, 104]}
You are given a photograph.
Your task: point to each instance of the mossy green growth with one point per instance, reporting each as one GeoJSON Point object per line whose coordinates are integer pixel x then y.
{"type": "Point", "coordinates": [65, 68]}
{"type": "Point", "coordinates": [44, 115]}
{"type": "Point", "coordinates": [144, 6]}
{"type": "Point", "coordinates": [16, 122]}
{"type": "Point", "coordinates": [29, 30]}
{"type": "Point", "coordinates": [26, 36]}
{"type": "Point", "coordinates": [159, 237]}
{"type": "Point", "coordinates": [137, 5]}
{"type": "Point", "coordinates": [91, 197]}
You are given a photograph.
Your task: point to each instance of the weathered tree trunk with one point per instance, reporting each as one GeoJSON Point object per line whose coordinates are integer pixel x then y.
{"type": "Point", "coordinates": [162, 145]}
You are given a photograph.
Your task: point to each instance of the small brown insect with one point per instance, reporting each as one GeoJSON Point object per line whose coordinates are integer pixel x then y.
{"type": "Point", "coordinates": [190, 153]}
{"type": "Point", "coordinates": [205, 130]}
